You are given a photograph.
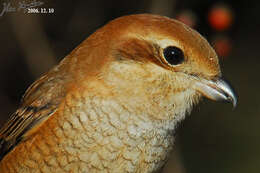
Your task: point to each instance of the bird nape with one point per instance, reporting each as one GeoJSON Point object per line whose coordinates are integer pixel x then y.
{"type": "Point", "coordinates": [111, 104]}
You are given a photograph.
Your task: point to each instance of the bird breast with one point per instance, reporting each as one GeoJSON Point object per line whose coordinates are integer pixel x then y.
{"type": "Point", "coordinates": [93, 134]}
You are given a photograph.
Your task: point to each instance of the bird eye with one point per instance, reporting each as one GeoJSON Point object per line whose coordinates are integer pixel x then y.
{"type": "Point", "coordinates": [173, 55]}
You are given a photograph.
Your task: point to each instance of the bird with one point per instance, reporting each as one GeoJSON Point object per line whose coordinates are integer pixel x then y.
{"type": "Point", "coordinates": [114, 102]}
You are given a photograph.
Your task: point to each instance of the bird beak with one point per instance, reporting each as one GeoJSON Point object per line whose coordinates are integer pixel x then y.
{"type": "Point", "coordinates": [217, 90]}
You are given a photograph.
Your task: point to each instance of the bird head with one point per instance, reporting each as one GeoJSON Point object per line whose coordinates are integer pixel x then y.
{"type": "Point", "coordinates": [153, 59]}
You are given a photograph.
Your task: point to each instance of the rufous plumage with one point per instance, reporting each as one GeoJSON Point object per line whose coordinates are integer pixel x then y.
{"type": "Point", "coordinates": [113, 103]}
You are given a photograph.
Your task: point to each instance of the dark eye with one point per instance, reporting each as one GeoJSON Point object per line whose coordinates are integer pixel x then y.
{"type": "Point", "coordinates": [173, 55]}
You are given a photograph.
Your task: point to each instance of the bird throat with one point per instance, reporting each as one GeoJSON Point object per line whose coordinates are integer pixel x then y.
{"type": "Point", "coordinates": [119, 134]}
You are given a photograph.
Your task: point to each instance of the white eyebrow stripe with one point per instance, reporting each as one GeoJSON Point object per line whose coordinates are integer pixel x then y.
{"type": "Point", "coordinates": [167, 42]}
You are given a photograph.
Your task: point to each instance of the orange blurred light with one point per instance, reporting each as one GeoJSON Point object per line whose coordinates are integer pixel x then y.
{"type": "Point", "coordinates": [220, 17]}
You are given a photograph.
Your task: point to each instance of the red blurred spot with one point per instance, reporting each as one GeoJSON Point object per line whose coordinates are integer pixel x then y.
{"type": "Point", "coordinates": [220, 17]}
{"type": "Point", "coordinates": [187, 17]}
{"type": "Point", "coordinates": [222, 46]}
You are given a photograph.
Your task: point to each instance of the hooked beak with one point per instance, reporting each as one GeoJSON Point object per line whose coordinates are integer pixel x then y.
{"type": "Point", "coordinates": [217, 90]}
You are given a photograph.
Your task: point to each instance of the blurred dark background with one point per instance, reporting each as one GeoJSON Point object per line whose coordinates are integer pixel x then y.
{"type": "Point", "coordinates": [215, 138]}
